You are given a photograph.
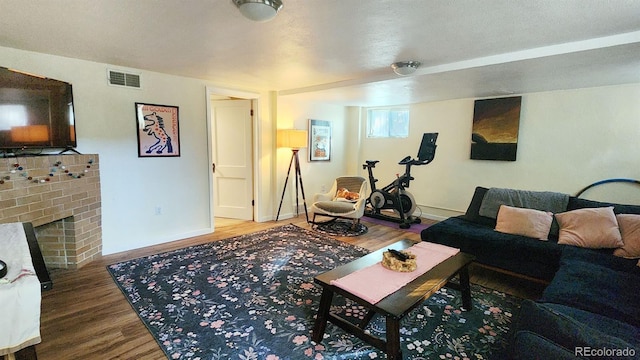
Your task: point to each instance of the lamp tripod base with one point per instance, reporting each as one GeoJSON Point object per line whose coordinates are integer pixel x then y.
{"type": "Point", "coordinates": [298, 180]}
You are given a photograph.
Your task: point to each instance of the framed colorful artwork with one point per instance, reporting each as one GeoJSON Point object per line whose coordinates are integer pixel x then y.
{"type": "Point", "coordinates": [319, 140]}
{"type": "Point", "coordinates": [158, 130]}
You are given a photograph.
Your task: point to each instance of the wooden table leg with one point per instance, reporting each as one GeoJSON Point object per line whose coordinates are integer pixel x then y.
{"type": "Point", "coordinates": [322, 316]}
{"type": "Point", "coordinates": [367, 319]}
{"type": "Point", "coordinates": [393, 338]}
{"type": "Point", "coordinates": [465, 288]}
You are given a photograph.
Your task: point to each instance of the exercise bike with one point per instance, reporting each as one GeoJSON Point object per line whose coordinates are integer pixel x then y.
{"type": "Point", "coordinates": [394, 196]}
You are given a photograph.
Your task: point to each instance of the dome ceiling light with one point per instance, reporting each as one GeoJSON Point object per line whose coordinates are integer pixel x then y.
{"type": "Point", "coordinates": [404, 68]}
{"type": "Point", "coordinates": [259, 10]}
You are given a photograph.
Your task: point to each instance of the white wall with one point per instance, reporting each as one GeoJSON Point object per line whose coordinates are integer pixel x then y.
{"type": "Point", "coordinates": [133, 187]}
{"type": "Point", "coordinates": [295, 114]}
{"type": "Point", "coordinates": [567, 140]}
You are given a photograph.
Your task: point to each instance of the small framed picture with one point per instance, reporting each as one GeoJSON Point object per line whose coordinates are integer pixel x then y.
{"type": "Point", "coordinates": [158, 130]}
{"type": "Point", "coordinates": [319, 140]}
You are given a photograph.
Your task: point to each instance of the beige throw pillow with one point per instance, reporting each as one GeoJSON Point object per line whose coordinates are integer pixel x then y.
{"type": "Point", "coordinates": [525, 222]}
{"type": "Point", "coordinates": [594, 228]}
{"type": "Point", "coordinates": [630, 229]}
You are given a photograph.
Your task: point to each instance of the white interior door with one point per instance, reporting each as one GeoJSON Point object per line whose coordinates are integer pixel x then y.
{"type": "Point", "coordinates": [232, 158]}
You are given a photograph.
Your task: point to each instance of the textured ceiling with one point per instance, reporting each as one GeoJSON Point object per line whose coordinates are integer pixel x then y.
{"type": "Point", "coordinates": [340, 50]}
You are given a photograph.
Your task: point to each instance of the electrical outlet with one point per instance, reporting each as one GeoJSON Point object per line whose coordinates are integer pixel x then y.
{"type": "Point", "coordinates": [158, 210]}
{"type": "Point", "coordinates": [323, 188]}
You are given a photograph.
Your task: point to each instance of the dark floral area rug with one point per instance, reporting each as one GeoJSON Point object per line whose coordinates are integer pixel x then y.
{"type": "Point", "coordinates": [341, 228]}
{"type": "Point", "coordinates": [253, 297]}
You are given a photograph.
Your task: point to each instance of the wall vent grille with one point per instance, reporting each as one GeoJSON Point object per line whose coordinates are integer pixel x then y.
{"type": "Point", "coordinates": [120, 78]}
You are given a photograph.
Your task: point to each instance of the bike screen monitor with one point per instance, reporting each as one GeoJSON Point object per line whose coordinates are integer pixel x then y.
{"type": "Point", "coordinates": [427, 149]}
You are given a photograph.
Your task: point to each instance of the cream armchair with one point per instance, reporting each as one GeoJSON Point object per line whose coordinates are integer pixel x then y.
{"type": "Point", "coordinates": [336, 204]}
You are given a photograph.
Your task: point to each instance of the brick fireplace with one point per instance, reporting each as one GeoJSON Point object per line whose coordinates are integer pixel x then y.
{"type": "Point", "coordinates": [60, 196]}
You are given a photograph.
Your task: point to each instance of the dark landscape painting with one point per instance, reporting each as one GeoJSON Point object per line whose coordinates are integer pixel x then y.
{"type": "Point", "coordinates": [495, 129]}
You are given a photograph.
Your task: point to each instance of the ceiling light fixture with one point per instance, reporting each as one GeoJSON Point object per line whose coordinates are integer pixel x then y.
{"type": "Point", "coordinates": [259, 10]}
{"type": "Point", "coordinates": [405, 68]}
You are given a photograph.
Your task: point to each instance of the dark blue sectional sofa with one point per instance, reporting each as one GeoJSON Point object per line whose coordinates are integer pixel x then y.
{"type": "Point", "coordinates": [591, 305]}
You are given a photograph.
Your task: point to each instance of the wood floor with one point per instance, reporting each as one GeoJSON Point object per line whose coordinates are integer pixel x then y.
{"type": "Point", "coordinates": [85, 316]}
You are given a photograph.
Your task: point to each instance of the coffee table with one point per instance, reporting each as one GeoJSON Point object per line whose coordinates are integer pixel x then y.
{"type": "Point", "coordinates": [396, 305]}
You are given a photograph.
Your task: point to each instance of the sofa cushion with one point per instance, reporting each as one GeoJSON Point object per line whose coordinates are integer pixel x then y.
{"type": "Point", "coordinates": [527, 345]}
{"type": "Point", "coordinates": [473, 211]}
{"type": "Point", "coordinates": [601, 257]}
{"type": "Point", "coordinates": [598, 283]}
{"type": "Point", "coordinates": [630, 230]}
{"type": "Point", "coordinates": [592, 228]}
{"type": "Point", "coordinates": [521, 254]}
{"type": "Point", "coordinates": [578, 203]}
{"type": "Point", "coordinates": [564, 327]}
{"type": "Point", "coordinates": [539, 200]}
{"type": "Point", "coordinates": [525, 222]}
{"type": "Point", "coordinates": [553, 202]}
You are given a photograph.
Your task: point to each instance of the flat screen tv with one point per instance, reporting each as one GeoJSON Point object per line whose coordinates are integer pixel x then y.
{"type": "Point", "coordinates": [35, 112]}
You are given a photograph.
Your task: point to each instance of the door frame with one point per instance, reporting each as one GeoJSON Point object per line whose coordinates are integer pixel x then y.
{"type": "Point", "coordinates": [255, 124]}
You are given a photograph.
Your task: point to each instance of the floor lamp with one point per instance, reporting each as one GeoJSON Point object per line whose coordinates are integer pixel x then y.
{"type": "Point", "coordinates": [294, 139]}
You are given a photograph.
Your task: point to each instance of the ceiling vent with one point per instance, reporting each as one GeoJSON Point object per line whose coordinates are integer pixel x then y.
{"type": "Point", "coordinates": [120, 78]}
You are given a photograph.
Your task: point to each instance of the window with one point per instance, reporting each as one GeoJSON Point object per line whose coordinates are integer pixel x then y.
{"type": "Point", "coordinates": [388, 122]}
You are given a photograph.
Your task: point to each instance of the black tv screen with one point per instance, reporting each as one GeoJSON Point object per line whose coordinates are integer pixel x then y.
{"type": "Point", "coordinates": [35, 112]}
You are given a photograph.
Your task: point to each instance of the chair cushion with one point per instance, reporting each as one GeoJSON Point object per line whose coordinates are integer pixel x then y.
{"type": "Point", "coordinates": [335, 207]}
{"type": "Point", "coordinates": [351, 183]}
